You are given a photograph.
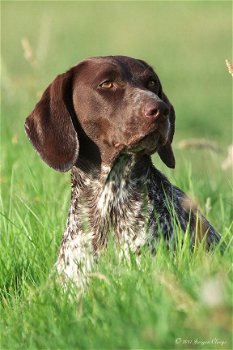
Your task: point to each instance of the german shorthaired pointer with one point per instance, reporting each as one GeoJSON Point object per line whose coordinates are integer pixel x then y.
{"type": "Point", "coordinates": [103, 119]}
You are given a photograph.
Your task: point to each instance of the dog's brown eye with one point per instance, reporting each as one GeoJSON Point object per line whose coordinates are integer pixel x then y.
{"type": "Point", "coordinates": [107, 85]}
{"type": "Point", "coordinates": [151, 84]}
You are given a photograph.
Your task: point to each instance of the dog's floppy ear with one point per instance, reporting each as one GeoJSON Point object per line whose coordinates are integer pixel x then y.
{"type": "Point", "coordinates": [50, 127]}
{"type": "Point", "coordinates": [166, 152]}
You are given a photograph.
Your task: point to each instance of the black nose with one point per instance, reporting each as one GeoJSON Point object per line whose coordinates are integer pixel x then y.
{"type": "Point", "coordinates": [156, 109]}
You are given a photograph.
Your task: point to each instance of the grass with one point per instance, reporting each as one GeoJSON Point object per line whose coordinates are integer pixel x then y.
{"type": "Point", "coordinates": [180, 300]}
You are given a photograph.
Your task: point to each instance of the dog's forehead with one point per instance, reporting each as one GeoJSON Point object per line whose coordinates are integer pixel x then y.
{"type": "Point", "coordinates": [125, 65]}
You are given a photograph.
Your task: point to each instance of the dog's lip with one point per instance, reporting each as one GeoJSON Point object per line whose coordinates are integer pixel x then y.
{"type": "Point", "coordinates": [161, 134]}
{"type": "Point", "coordinates": [147, 143]}
{"type": "Point", "coordinates": [158, 134]}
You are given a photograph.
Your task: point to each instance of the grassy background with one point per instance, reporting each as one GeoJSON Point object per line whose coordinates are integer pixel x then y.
{"type": "Point", "coordinates": [173, 301]}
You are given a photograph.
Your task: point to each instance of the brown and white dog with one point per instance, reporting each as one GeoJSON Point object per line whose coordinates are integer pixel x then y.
{"type": "Point", "coordinates": [103, 119]}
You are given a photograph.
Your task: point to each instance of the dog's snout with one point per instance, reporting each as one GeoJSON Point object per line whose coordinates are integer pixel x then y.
{"type": "Point", "coordinates": [156, 109]}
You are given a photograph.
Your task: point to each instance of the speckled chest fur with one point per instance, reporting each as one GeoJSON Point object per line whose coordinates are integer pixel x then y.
{"type": "Point", "coordinates": [133, 201]}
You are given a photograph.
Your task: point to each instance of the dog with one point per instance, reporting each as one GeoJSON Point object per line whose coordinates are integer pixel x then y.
{"type": "Point", "coordinates": [103, 119]}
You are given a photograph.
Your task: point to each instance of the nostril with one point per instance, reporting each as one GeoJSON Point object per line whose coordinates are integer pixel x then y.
{"type": "Point", "coordinates": [152, 112]}
{"type": "Point", "coordinates": [156, 109]}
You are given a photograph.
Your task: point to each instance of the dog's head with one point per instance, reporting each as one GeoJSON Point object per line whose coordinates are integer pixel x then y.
{"type": "Point", "coordinates": [100, 108]}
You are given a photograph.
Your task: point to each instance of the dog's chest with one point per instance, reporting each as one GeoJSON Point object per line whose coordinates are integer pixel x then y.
{"type": "Point", "coordinates": [119, 206]}
{"type": "Point", "coordinates": [124, 204]}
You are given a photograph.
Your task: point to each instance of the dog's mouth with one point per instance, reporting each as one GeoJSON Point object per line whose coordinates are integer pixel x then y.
{"type": "Point", "coordinates": [147, 144]}
{"type": "Point", "coordinates": [151, 142]}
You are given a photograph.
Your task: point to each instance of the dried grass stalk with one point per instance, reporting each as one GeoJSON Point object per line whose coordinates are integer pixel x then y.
{"type": "Point", "coordinates": [229, 67]}
{"type": "Point", "coordinates": [228, 162]}
{"type": "Point", "coordinates": [29, 54]}
{"type": "Point", "coordinates": [198, 143]}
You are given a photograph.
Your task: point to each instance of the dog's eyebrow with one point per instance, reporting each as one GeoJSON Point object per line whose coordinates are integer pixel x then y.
{"type": "Point", "coordinates": [109, 73]}
{"type": "Point", "coordinates": [148, 72]}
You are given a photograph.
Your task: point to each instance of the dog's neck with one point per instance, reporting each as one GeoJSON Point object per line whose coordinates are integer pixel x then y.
{"type": "Point", "coordinates": [125, 168]}
{"type": "Point", "coordinates": [97, 200]}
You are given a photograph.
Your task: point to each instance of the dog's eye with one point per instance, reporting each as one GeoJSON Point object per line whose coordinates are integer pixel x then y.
{"type": "Point", "coordinates": [151, 84]}
{"type": "Point", "coordinates": [106, 84]}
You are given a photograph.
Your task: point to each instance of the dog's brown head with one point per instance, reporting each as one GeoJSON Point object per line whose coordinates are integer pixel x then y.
{"type": "Point", "coordinates": [100, 108]}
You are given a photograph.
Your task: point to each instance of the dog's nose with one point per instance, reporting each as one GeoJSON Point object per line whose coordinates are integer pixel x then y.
{"type": "Point", "coordinates": [156, 109]}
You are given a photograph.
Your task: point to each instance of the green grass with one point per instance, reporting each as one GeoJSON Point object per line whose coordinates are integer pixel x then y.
{"type": "Point", "coordinates": [180, 300]}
